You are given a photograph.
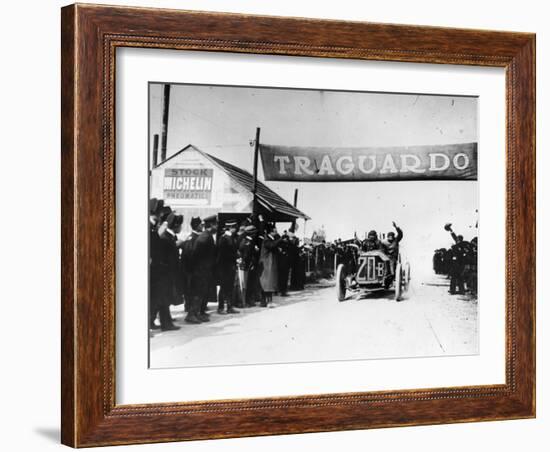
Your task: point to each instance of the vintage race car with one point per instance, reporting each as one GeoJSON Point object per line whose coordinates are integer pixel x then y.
{"type": "Point", "coordinates": [374, 272]}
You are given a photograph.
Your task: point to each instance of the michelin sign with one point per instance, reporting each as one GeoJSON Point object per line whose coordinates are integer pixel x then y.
{"type": "Point", "coordinates": [188, 183]}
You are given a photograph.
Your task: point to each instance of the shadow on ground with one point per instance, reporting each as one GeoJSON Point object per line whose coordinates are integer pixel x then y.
{"type": "Point", "coordinates": [53, 434]}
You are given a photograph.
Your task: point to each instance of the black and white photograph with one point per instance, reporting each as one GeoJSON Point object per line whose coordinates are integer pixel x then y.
{"type": "Point", "coordinates": [295, 225]}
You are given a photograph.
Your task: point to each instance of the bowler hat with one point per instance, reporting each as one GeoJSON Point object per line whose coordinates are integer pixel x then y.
{"type": "Point", "coordinates": [155, 206]}
{"type": "Point", "coordinates": [164, 213]}
{"type": "Point", "coordinates": [153, 202]}
{"type": "Point", "coordinates": [174, 220]}
{"type": "Point", "coordinates": [195, 222]}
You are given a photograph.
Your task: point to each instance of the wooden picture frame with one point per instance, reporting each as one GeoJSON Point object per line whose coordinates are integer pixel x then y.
{"type": "Point", "coordinates": [90, 36]}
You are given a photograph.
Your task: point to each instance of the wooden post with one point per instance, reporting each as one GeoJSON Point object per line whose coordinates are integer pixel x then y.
{"type": "Point", "coordinates": [295, 205]}
{"type": "Point", "coordinates": [165, 112]}
{"type": "Point", "coordinates": [255, 174]}
{"type": "Point", "coordinates": [155, 150]}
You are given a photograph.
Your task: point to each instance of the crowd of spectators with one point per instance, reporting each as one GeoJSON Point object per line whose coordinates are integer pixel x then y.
{"type": "Point", "coordinates": [235, 264]}
{"type": "Point", "coordinates": [458, 263]}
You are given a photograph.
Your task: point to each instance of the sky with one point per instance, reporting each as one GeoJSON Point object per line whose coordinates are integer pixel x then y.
{"type": "Point", "coordinates": [222, 121]}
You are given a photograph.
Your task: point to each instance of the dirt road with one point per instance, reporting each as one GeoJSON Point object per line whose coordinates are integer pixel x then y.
{"type": "Point", "coordinates": [312, 325]}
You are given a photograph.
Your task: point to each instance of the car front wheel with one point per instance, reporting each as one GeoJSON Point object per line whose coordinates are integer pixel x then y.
{"type": "Point", "coordinates": [340, 283]}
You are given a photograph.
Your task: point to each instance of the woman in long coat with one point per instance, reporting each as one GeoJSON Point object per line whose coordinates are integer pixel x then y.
{"type": "Point", "coordinates": [268, 263]}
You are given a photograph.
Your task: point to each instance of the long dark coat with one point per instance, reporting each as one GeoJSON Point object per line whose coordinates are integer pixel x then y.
{"type": "Point", "coordinates": [154, 266]}
{"type": "Point", "coordinates": [283, 264]}
{"type": "Point", "coordinates": [170, 287]}
{"type": "Point", "coordinates": [187, 264]}
{"type": "Point", "coordinates": [227, 253]}
{"type": "Point", "coordinates": [268, 263]}
{"type": "Point", "coordinates": [204, 263]}
{"type": "Point", "coordinates": [226, 262]}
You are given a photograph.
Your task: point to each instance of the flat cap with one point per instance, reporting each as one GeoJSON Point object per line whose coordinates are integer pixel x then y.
{"type": "Point", "coordinates": [250, 229]}
{"type": "Point", "coordinates": [211, 219]}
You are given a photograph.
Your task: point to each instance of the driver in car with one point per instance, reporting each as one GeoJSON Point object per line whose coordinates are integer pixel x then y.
{"type": "Point", "coordinates": [372, 242]}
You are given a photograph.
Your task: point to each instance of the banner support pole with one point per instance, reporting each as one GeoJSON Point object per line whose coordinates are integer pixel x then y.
{"type": "Point", "coordinates": [295, 205]}
{"type": "Point", "coordinates": [255, 174]}
{"type": "Point", "coordinates": [165, 116]}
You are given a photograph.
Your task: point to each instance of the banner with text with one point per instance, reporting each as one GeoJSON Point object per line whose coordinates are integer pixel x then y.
{"type": "Point", "coordinates": [189, 184]}
{"type": "Point", "coordinates": [331, 164]}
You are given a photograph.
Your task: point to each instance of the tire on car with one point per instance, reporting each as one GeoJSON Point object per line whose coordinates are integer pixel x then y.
{"type": "Point", "coordinates": [340, 283]}
{"type": "Point", "coordinates": [398, 282]}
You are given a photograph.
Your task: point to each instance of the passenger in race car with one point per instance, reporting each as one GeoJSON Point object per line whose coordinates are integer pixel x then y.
{"type": "Point", "coordinates": [391, 245]}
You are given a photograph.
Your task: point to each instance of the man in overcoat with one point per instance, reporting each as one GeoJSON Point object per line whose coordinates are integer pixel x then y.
{"type": "Point", "coordinates": [204, 265]}
{"type": "Point", "coordinates": [458, 258]}
{"type": "Point", "coordinates": [154, 259]}
{"type": "Point", "coordinates": [169, 266]}
{"type": "Point", "coordinates": [293, 258]}
{"type": "Point", "coordinates": [269, 255]}
{"type": "Point", "coordinates": [192, 300]}
{"type": "Point", "coordinates": [248, 264]}
{"type": "Point", "coordinates": [226, 267]}
{"type": "Point", "coordinates": [239, 286]}
{"type": "Point", "coordinates": [283, 264]}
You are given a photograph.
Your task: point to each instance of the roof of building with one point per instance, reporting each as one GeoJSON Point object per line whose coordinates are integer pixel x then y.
{"type": "Point", "coordinates": [270, 200]}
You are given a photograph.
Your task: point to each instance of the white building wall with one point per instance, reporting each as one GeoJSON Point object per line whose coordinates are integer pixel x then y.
{"type": "Point", "coordinates": [181, 183]}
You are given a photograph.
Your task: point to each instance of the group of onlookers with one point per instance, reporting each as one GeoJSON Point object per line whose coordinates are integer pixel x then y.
{"type": "Point", "coordinates": [459, 263]}
{"type": "Point", "coordinates": [241, 265]}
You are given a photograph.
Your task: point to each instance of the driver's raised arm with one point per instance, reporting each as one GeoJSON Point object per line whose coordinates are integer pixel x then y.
{"type": "Point", "coordinates": [399, 233]}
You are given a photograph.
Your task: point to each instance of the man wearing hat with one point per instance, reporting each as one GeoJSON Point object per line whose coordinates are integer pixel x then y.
{"type": "Point", "coordinates": [204, 263]}
{"type": "Point", "coordinates": [154, 259]}
{"type": "Point", "coordinates": [459, 256]}
{"type": "Point", "coordinates": [372, 242]}
{"type": "Point", "coordinates": [240, 235]}
{"type": "Point", "coordinates": [170, 286]}
{"type": "Point", "coordinates": [192, 301]}
{"type": "Point", "coordinates": [249, 256]}
{"type": "Point", "coordinates": [163, 214]}
{"type": "Point", "coordinates": [283, 264]}
{"type": "Point", "coordinates": [391, 245]}
{"type": "Point", "coordinates": [226, 267]}
{"type": "Point", "coordinates": [239, 283]}
{"type": "Point", "coordinates": [293, 243]}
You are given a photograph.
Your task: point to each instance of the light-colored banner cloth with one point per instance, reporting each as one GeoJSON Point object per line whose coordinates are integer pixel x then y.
{"type": "Point", "coordinates": [320, 164]}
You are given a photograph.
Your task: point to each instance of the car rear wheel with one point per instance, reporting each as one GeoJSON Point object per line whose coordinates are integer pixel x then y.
{"type": "Point", "coordinates": [398, 282]}
{"type": "Point", "coordinates": [340, 283]}
{"type": "Point", "coordinates": [407, 276]}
